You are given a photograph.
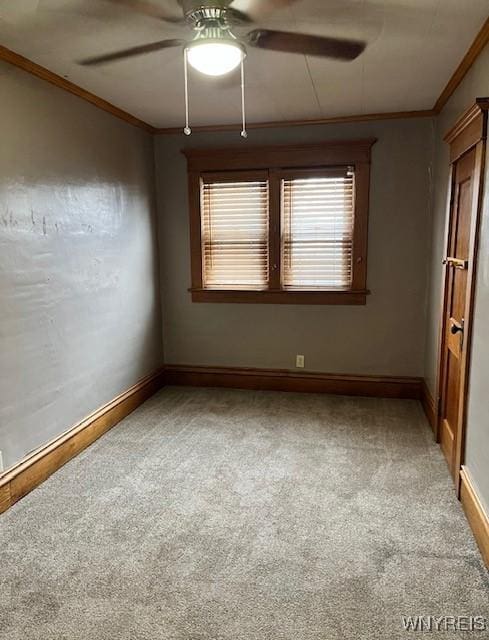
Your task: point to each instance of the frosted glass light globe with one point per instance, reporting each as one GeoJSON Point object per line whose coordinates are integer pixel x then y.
{"type": "Point", "coordinates": [214, 58]}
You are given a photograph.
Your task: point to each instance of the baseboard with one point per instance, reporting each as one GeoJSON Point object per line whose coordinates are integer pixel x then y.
{"type": "Point", "coordinates": [476, 515]}
{"type": "Point", "coordinates": [283, 380]}
{"type": "Point", "coordinates": [25, 476]}
{"type": "Point", "coordinates": [429, 406]}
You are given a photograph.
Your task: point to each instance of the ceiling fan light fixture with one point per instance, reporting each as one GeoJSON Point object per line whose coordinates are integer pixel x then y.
{"type": "Point", "coordinates": [215, 57]}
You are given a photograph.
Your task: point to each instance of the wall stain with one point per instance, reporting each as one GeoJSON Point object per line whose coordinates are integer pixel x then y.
{"type": "Point", "coordinates": [8, 219]}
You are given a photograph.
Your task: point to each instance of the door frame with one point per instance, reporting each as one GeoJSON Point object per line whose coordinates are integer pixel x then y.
{"type": "Point", "coordinates": [469, 131]}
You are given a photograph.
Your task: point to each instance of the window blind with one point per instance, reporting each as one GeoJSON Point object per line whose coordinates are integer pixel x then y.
{"type": "Point", "coordinates": [235, 234]}
{"type": "Point", "coordinates": [317, 231]}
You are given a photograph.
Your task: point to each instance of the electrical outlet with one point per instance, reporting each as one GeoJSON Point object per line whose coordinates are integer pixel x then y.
{"type": "Point", "coordinates": [299, 362]}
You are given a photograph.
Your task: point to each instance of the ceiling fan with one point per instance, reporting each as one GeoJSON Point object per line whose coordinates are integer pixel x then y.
{"type": "Point", "coordinates": [214, 49]}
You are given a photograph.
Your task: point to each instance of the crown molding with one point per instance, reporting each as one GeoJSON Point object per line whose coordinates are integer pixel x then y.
{"type": "Point", "coordinates": [475, 49]}
{"type": "Point", "coordinates": [365, 117]}
{"type": "Point", "coordinates": [35, 69]}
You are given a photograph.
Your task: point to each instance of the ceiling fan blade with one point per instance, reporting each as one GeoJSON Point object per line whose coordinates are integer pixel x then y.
{"type": "Point", "coordinates": [238, 17]}
{"type": "Point", "coordinates": [150, 9]}
{"type": "Point", "coordinates": [131, 52]}
{"type": "Point", "coordinates": [257, 9]}
{"type": "Point", "coordinates": [306, 44]}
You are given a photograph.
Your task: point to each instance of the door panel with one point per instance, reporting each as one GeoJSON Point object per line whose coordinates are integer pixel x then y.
{"type": "Point", "coordinates": [455, 304]}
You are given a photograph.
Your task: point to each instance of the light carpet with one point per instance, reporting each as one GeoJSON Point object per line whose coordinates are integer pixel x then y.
{"type": "Point", "coordinates": [213, 514]}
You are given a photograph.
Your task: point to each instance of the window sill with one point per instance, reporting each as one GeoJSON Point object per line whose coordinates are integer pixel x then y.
{"type": "Point", "coordinates": [280, 297]}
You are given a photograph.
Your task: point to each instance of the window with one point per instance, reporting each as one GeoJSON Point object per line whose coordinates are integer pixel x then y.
{"type": "Point", "coordinates": [317, 230]}
{"type": "Point", "coordinates": [235, 232]}
{"type": "Point", "coordinates": [280, 224]}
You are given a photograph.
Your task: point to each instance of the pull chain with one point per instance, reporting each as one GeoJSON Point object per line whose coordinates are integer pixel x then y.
{"type": "Point", "coordinates": [187, 130]}
{"type": "Point", "coordinates": [244, 133]}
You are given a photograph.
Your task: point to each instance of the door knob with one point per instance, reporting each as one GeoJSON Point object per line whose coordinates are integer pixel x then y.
{"type": "Point", "coordinates": [456, 327]}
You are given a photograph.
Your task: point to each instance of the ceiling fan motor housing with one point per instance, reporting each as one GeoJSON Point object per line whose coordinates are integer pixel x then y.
{"type": "Point", "coordinates": [199, 9]}
{"type": "Point", "coordinates": [215, 33]}
{"type": "Point", "coordinates": [211, 24]}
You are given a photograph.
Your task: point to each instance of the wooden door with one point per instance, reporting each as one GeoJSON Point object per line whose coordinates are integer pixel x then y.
{"type": "Point", "coordinates": [467, 141]}
{"type": "Point", "coordinates": [457, 262]}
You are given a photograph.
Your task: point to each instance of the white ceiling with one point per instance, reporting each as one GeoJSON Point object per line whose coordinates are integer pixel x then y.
{"type": "Point", "coordinates": [413, 48]}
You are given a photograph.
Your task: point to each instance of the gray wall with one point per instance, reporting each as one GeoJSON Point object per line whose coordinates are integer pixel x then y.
{"type": "Point", "coordinates": [384, 337]}
{"type": "Point", "coordinates": [80, 313]}
{"type": "Point", "coordinates": [475, 84]}
{"type": "Point", "coordinates": [477, 442]}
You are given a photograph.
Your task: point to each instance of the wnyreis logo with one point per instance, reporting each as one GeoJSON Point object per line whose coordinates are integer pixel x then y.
{"type": "Point", "coordinates": [444, 623]}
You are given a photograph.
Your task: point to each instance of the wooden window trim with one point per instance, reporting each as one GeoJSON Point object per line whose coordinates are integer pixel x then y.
{"type": "Point", "coordinates": [222, 163]}
{"type": "Point", "coordinates": [269, 296]}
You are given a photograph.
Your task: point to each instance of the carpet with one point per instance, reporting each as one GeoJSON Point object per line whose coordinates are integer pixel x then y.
{"type": "Point", "coordinates": [212, 514]}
